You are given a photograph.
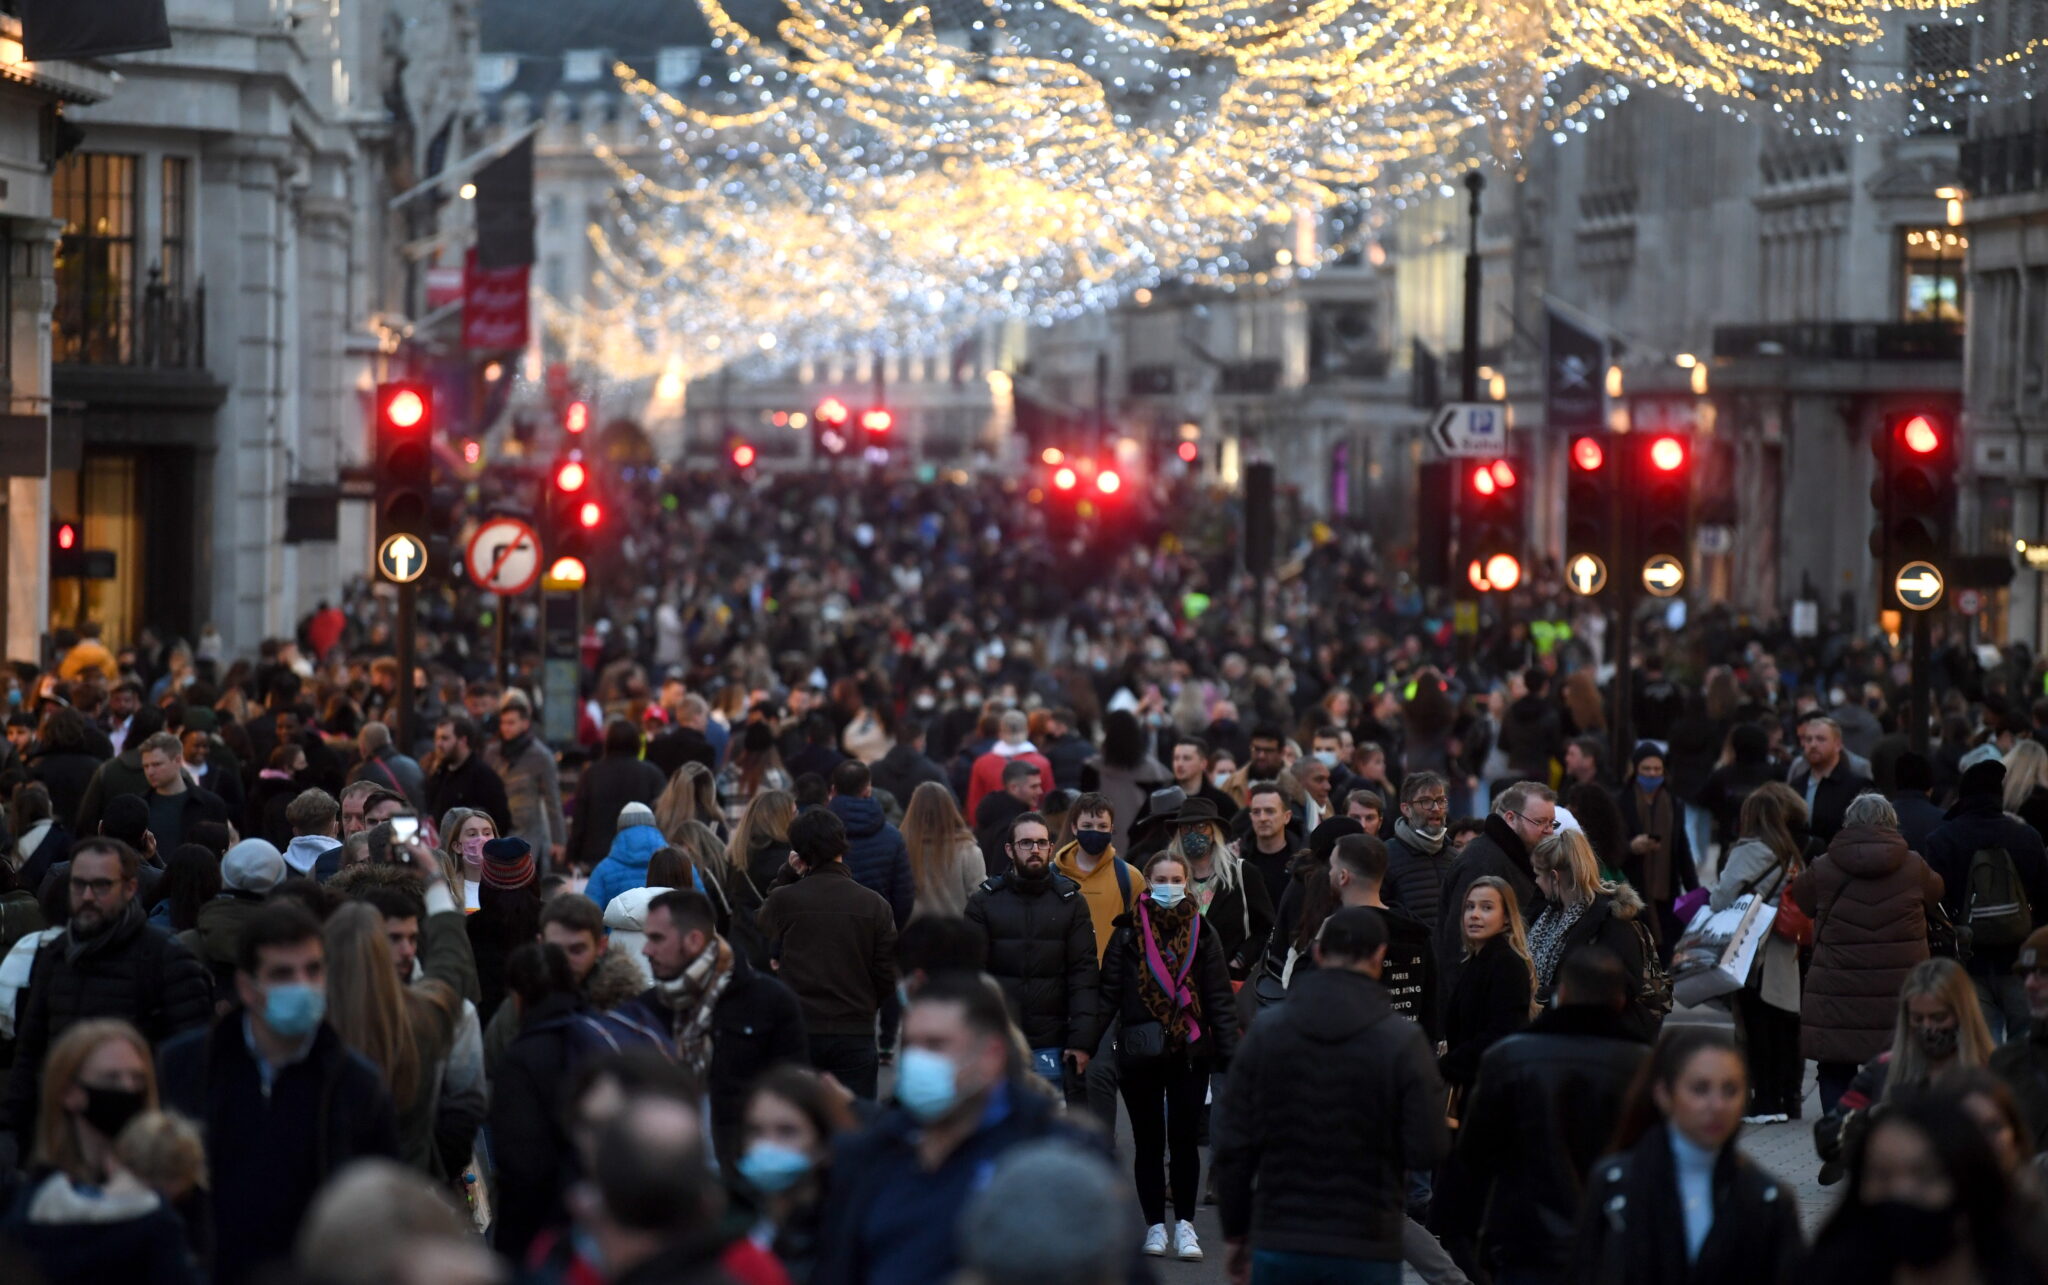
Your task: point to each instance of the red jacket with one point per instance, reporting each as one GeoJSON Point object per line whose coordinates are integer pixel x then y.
{"type": "Point", "coordinates": [987, 776]}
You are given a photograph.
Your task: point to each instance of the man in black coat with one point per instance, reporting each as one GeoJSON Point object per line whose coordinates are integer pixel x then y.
{"type": "Point", "coordinates": [1041, 950]}
{"type": "Point", "coordinates": [384, 764]}
{"type": "Point", "coordinates": [1023, 790]}
{"type": "Point", "coordinates": [282, 1102]}
{"type": "Point", "coordinates": [1065, 748]}
{"type": "Point", "coordinates": [1824, 775]}
{"type": "Point", "coordinates": [620, 777]}
{"type": "Point", "coordinates": [1358, 871]}
{"type": "Point", "coordinates": [1543, 1111]}
{"type": "Point", "coordinates": [529, 1138]}
{"type": "Point", "coordinates": [1419, 853]}
{"type": "Point", "coordinates": [109, 962]}
{"type": "Point", "coordinates": [754, 1021]}
{"type": "Point", "coordinates": [461, 778]}
{"type": "Point", "coordinates": [1979, 823]}
{"type": "Point", "coordinates": [1523, 816]}
{"type": "Point", "coordinates": [1912, 787]}
{"type": "Point", "coordinates": [686, 741]}
{"type": "Point", "coordinates": [1332, 1100]}
{"type": "Point", "coordinates": [906, 766]}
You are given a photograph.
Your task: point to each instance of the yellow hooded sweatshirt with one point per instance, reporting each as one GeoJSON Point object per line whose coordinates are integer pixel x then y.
{"type": "Point", "coordinates": [1107, 894]}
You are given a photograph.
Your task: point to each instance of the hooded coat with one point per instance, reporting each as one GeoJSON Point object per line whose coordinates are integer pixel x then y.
{"type": "Point", "coordinates": [1979, 821]}
{"type": "Point", "coordinates": [1041, 949]}
{"type": "Point", "coordinates": [875, 853]}
{"type": "Point", "coordinates": [625, 866]}
{"type": "Point", "coordinates": [1869, 897]}
{"type": "Point", "coordinates": [1332, 1099]}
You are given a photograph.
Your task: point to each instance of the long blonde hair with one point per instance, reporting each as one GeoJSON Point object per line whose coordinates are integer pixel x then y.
{"type": "Point", "coordinates": [933, 831]}
{"type": "Point", "coordinates": [768, 815]}
{"type": "Point", "coordinates": [1769, 815]}
{"type": "Point", "coordinates": [1945, 980]}
{"type": "Point", "coordinates": [1569, 855]}
{"type": "Point", "coordinates": [690, 795]}
{"type": "Point", "coordinates": [700, 847]}
{"type": "Point", "coordinates": [365, 1003]}
{"type": "Point", "coordinates": [2026, 770]}
{"type": "Point", "coordinates": [1224, 865]}
{"type": "Point", "coordinates": [56, 1134]}
{"type": "Point", "coordinates": [1517, 932]}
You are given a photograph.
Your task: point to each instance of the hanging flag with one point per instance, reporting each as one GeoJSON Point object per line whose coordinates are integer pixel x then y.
{"type": "Point", "coordinates": [494, 303]}
{"type": "Point", "coordinates": [504, 209]}
{"type": "Point", "coordinates": [68, 29]}
{"type": "Point", "coordinates": [1575, 367]}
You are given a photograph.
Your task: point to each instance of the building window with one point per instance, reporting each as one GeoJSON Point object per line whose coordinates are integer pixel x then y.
{"type": "Point", "coordinates": [678, 64]}
{"type": "Point", "coordinates": [582, 66]}
{"type": "Point", "coordinates": [1932, 289]}
{"type": "Point", "coordinates": [94, 196]}
{"type": "Point", "coordinates": [175, 246]}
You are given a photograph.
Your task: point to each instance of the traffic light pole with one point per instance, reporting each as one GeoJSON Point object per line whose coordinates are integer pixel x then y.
{"type": "Point", "coordinates": [1626, 577]}
{"type": "Point", "coordinates": [1468, 390]}
{"type": "Point", "coordinates": [402, 725]}
{"type": "Point", "coordinates": [1917, 734]}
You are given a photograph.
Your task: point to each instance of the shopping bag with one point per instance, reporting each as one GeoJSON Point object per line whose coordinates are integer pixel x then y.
{"type": "Point", "coordinates": [1719, 949]}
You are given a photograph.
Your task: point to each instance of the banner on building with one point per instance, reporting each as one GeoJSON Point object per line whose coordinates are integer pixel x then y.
{"type": "Point", "coordinates": [1574, 369]}
{"type": "Point", "coordinates": [68, 29]}
{"type": "Point", "coordinates": [504, 208]}
{"type": "Point", "coordinates": [494, 306]}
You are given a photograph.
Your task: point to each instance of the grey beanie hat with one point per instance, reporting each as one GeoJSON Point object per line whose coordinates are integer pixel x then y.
{"type": "Point", "coordinates": [1002, 1232]}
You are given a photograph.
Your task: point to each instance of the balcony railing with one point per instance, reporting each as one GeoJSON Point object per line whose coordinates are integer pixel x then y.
{"type": "Point", "coordinates": [104, 327]}
{"type": "Point", "coordinates": [1844, 341]}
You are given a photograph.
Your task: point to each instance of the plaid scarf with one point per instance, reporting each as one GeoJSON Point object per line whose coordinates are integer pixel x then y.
{"type": "Point", "coordinates": [694, 997]}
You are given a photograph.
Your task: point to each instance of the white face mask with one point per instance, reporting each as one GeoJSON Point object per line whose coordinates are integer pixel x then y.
{"type": "Point", "coordinates": [1168, 895]}
{"type": "Point", "coordinates": [1221, 779]}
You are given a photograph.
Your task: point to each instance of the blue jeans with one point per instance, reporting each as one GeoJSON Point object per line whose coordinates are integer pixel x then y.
{"type": "Point", "coordinates": [1278, 1267]}
{"type": "Point", "coordinates": [1699, 834]}
{"type": "Point", "coordinates": [2004, 1000]}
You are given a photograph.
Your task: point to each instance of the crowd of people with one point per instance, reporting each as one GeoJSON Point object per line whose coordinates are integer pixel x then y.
{"type": "Point", "coordinates": [904, 912]}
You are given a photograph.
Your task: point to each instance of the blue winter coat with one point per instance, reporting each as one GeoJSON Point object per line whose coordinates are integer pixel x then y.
{"type": "Point", "coordinates": [624, 868]}
{"type": "Point", "coordinates": [876, 856]}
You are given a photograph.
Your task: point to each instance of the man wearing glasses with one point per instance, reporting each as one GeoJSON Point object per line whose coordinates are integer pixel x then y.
{"type": "Point", "coordinates": [1523, 816]}
{"type": "Point", "coordinates": [2024, 1063]}
{"type": "Point", "coordinates": [1419, 856]}
{"type": "Point", "coordinates": [108, 962]}
{"type": "Point", "coordinates": [1041, 950]}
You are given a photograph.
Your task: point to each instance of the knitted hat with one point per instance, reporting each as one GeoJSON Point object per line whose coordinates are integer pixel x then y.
{"type": "Point", "coordinates": [253, 865]}
{"type": "Point", "coordinates": [508, 863]}
{"type": "Point", "coordinates": [635, 814]}
{"type": "Point", "coordinates": [1644, 750]}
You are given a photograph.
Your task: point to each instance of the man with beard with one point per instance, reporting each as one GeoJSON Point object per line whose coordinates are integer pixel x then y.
{"type": "Point", "coordinates": [109, 962]}
{"type": "Point", "coordinates": [1419, 856]}
{"type": "Point", "coordinates": [1041, 951]}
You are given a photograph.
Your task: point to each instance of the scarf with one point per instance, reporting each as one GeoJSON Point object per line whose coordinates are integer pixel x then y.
{"type": "Point", "coordinates": [693, 997]}
{"type": "Point", "coordinates": [1413, 838]}
{"type": "Point", "coordinates": [1654, 815]}
{"type": "Point", "coordinates": [1169, 939]}
{"type": "Point", "coordinates": [119, 928]}
{"type": "Point", "coordinates": [508, 874]}
{"type": "Point", "coordinates": [1546, 939]}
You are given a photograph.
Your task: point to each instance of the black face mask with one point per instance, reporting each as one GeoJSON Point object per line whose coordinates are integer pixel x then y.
{"type": "Point", "coordinates": [1093, 842]}
{"type": "Point", "coordinates": [110, 1110]}
{"type": "Point", "coordinates": [1905, 1233]}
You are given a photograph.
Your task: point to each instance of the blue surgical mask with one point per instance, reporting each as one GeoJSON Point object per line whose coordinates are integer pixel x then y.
{"type": "Point", "coordinates": [772, 1167]}
{"type": "Point", "coordinates": [1649, 784]}
{"type": "Point", "coordinates": [1328, 758]}
{"type": "Point", "coordinates": [903, 994]}
{"type": "Point", "coordinates": [1169, 895]}
{"type": "Point", "coordinates": [1220, 779]}
{"type": "Point", "coordinates": [927, 1083]}
{"type": "Point", "coordinates": [293, 1009]}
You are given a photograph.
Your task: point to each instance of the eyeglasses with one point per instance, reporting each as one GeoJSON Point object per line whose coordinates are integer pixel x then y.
{"type": "Point", "coordinates": [1032, 845]}
{"type": "Point", "coordinates": [1551, 826]}
{"type": "Point", "coordinates": [1430, 801]}
{"type": "Point", "coordinates": [97, 887]}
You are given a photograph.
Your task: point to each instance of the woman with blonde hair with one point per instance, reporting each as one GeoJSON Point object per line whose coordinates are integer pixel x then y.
{"type": "Point", "coordinates": [946, 864]}
{"type": "Point", "coordinates": [1764, 861]}
{"type": "Point", "coordinates": [759, 846]}
{"type": "Point", "coordinates": [406, 1032]}
{"type": "Point", "coordinates": [2026, 784]}
{"type": "Point", "coordinates": [83, 1217]}
{"type": "Point", "coordinates": [1582, 909]}
{"type": "Point", "coordinates": [1230, 895]}
{"type": "Point", "coordinates": [1491, 993]}
{"type": "Point", "coordinates": [464, 832]}
{"type": "Point", "coordinates": [690, 795]}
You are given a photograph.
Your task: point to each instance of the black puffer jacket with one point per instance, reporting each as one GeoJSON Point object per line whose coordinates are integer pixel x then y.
{"type": "Point", "coordinates": [1041, 949]}
{"type": "Point", "coordinates": [1331, 1100]}
{"type": "Point", "coordinates": [1415, 880]}
{"type": "Point", "coordinates": [134, 971]}
{"type": "Point", "coordinates": [1544, 1109]}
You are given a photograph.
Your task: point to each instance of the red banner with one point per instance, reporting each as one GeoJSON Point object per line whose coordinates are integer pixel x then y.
{"type": "Point", "coordinates": [494, 306]}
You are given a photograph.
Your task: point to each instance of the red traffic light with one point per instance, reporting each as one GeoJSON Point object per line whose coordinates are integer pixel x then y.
{"type": "Point", "coordinates": [590, 514]}
{"type": "Point", "coordinates": [403, 406]}
{"type": "Point", "coordinates": [472, 450]}
{"type": "Point", "coordinates": [1064, 479]}
{"type": "Point", "coordinates": [1108, 482]}
{"type": "Point", "coordinates": [877, 421]}
{"type": "Point", "coordinates": [571, 477]}
{"type": "Point", "coordinates": [1503, 474]}
{"type": "Point", "coordinates": [1587, 455]}
{"type": "Point", "coordinates": [67, 536]}
{"type": "Point", "coordinates": [832, 412]}
{"type": "Point", "coordinates": [1487, 478]}
{"type": "Point", "coordinates": [1188, 451]}
{"type": "Point", "coordinates": [1920, 435]}
{"type": "Point", "coordinates": [742, 455]}
{"type": "Point", "coordinates": [1667, 454]}
{"type": "Point", "coordinates": [577, 417]}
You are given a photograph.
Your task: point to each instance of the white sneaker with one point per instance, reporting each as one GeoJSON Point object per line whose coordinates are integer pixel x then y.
{"type": "Point", "coordinates": [1155, 1240]}
{"type": "Point", "coordinates": [1186, 1247]}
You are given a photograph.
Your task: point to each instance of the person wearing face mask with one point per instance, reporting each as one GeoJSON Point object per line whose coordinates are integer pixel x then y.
{"type": "Point", "coordinates": [793, 1120]}
{"type": "Point", "coordinates": [1928, 1202]}
{"type": "Point", "coordinates": [1166, 976]}
{"type": "Point", "coordinates": [1680, 1201]}
{"type": "Point", "coordinates": [1659, 861]}
{"type": "Point", "coordinates": [282, 1101]}
{"type": "Point", "coordinates": [1940, 1029]}
{"type": "Point", "coordinates": [83, 1216]}
{"type": "Point", "coordinates": [898, 1187]}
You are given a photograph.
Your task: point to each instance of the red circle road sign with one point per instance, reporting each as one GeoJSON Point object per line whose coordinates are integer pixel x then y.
{"type": "Point", "coordinates": [504, 557]}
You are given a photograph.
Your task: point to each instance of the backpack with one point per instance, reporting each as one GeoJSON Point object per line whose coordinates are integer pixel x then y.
{"type": "Point", "coordinates": [590, 1034]}
{"type": "Point", "coordinates": [1653, 994]}
{"type": "Point", "coordinates": [1996, 910]}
